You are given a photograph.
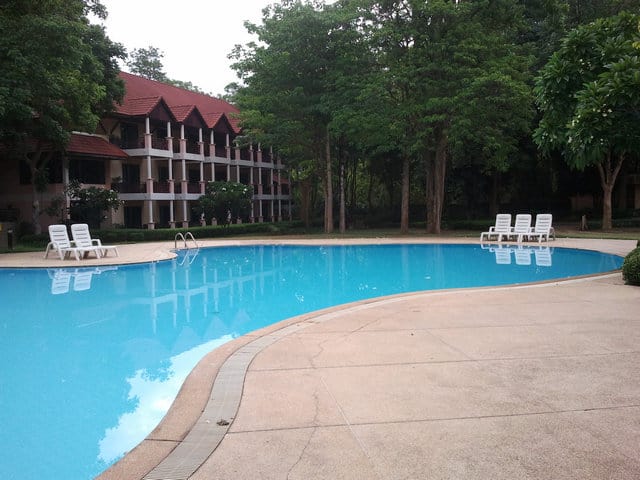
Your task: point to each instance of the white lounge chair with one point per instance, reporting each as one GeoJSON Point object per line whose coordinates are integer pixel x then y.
{"type": "Point", "coordinates": [522, 227]}
{"type": "Point", "coordinates": [82, 238]}
{"type": "Point", "coordinates": [59, 242]}
{"type": "Point", "coordinates": [502, 228]}
{"type": "Point", "coordinates": [542, 229]}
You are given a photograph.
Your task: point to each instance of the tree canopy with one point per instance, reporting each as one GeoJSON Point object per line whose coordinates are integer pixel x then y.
{"type": "Point", "coordinates": [589, 95]}
{"type": "Point", "coordinates": [404, 81]}
{"type": "Point", "coordinates": [58, 73]}
{"type": "Point", "coordinates": [147, 63]}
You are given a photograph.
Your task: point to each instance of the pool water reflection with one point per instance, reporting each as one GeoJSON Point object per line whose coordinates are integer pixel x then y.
{"type": "Point", "coordinates": [93, 357]}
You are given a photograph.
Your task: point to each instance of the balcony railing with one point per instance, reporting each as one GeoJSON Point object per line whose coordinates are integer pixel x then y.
{"type": "Point", "coordinates": [125, 187]}
{"type": "Point", "coordinates": [245, 154]}
{"type": "Point", "coordinates": [159, 143]}
{"type": "Point", "coordinates": [132, 143]}
{"type": "Point", "coordinates": [193, 147]}
{"type": "Point", "coordinates": [221, 151]}
{"type": "Point", "coordinates": [161, 187]}
{"type": "Point", "coordinates": [193, 187]}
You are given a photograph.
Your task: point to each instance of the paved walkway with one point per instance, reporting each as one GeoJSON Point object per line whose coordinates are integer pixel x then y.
{"type": "Point", "coordinates": [535, 382]}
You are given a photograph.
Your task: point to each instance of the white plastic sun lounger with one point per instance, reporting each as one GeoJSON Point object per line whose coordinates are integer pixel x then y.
{"type": "Point", "coordinates": [522, 227]}
{"type": "Point", "coordinates": [82, 238]}
{"type": "Point", "coordinates": [542, 229]}
{"type": "Point", "coordinates": [502, 228]}
{"type": "Point", "coordinates": [59, 242]}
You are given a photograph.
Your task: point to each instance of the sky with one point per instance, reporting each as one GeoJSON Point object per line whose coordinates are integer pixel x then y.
{"type": "Point", "coordinates": [195, 35]}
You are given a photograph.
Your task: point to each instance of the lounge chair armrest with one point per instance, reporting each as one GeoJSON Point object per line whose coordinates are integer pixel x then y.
{"type": "Point", "coordinates": [96, 242]}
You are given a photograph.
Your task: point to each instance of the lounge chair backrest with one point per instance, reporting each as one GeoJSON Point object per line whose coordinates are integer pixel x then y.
{"type": "Point", "coordinates": [543, 223]}
{"type": "Point", "coordinates": [523, 223]}
{"type": "Point", "coordinates": [81, 235]}
{"type": "Point", "coordinates": [59, 236]}
{"type": "Point", "coordinates": [503, 223]}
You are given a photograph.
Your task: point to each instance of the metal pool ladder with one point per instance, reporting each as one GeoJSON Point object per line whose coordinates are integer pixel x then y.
{"type": "Point", "coordinates": [190, 253]}
{"type": "Point", "coordinates": [184, 238]}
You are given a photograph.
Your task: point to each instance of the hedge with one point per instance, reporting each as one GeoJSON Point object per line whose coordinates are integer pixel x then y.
{"type": "Point", "coordinates": [129, 235]}
{"type": "Point", "coordinates": [631, 267]}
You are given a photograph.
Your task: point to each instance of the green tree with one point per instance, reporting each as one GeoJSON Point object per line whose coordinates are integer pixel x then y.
{"type": "Point", "coordinates": [285, 80]}
{"type": "Point", "coordinates": [589, 95]}
{"type": "Point", "coordinates": [58, 73]}
{"type": "Point", "coordinates": [222, 199]}
{"type": "Point", "coordinates": [438, 61]}
{"type": "Point", "coordinates": [88, 205]}
{"type": "Point", "coordinates": [147, 63]}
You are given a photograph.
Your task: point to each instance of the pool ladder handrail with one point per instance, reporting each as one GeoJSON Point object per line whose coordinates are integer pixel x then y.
{"type": "Point", "coordinates": [184, 238]}
{"type": "Point", "coordinates": [190, 253]}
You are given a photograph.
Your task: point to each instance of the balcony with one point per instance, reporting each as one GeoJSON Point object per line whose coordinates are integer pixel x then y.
{"type": "Point", "coordinates": [161, 187]}
{"type": "Point", "coordinates": [193, 147]}
{"type": "Point", "coordinates": [159, 143]}
{"type": "Point", "coordinates": [221, 151]}
{"type": "Point", "coordinates": [124, 187]}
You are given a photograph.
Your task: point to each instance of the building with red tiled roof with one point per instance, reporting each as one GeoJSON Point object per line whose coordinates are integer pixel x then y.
{"type": "Point", "coordinates": [158, 149]}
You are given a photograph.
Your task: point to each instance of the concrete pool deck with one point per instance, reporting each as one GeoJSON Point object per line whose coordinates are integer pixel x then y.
{"type": "Point", "coordinates": [531, 382]}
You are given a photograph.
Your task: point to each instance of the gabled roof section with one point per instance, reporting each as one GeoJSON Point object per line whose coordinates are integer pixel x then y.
{"type": "Point", "coordinates": [93, 145]}
{"type": "Point", "coordinates": [138, 106]}
{"type": "Point", "coordinates": [189, 115]}
{"type": "Point", "coordinates": [220, 123]}
{"type": "Point", "coordinates": [140, 91]}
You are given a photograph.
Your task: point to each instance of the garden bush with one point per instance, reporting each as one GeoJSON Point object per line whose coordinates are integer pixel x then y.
{"type": "Point", "coordinates": [631, 268]}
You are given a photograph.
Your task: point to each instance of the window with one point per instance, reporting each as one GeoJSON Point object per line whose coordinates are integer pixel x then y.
{"type": "Point", "coordinates": [87, 170]}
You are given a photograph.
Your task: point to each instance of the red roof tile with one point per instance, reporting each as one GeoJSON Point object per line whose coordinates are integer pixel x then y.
{"type": "Point", "coordinates": [85, 144]}
{"type": "Point", "coordinates": [140, 90]}
{"type": "Point", "coordinates": [138, 106]}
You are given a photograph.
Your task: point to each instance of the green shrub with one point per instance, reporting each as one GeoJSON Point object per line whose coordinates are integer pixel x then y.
{"type": "Point", "coordinates": [631, 267]}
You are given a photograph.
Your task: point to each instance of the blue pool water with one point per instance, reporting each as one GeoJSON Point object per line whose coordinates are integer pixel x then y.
{"type": "Point", "coordinates": [93, 357]}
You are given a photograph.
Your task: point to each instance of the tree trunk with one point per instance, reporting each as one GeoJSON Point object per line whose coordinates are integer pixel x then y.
{"type": "Point", "coordinates": [36, 163]}
{"type": "Point", "coordinates": [608, 175]}
{"type": "Point", "coordinates": [436, 170]}
{"type": "Point", "coordinates": [305, 201]}
{"type": "Point", "coordinates": [404, 209]}
{"type": "Point", "coordinates": [328, 192]}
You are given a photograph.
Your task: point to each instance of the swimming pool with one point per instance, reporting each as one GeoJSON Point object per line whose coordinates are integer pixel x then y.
{"type": "Point", "coordinates": [93, 357]}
